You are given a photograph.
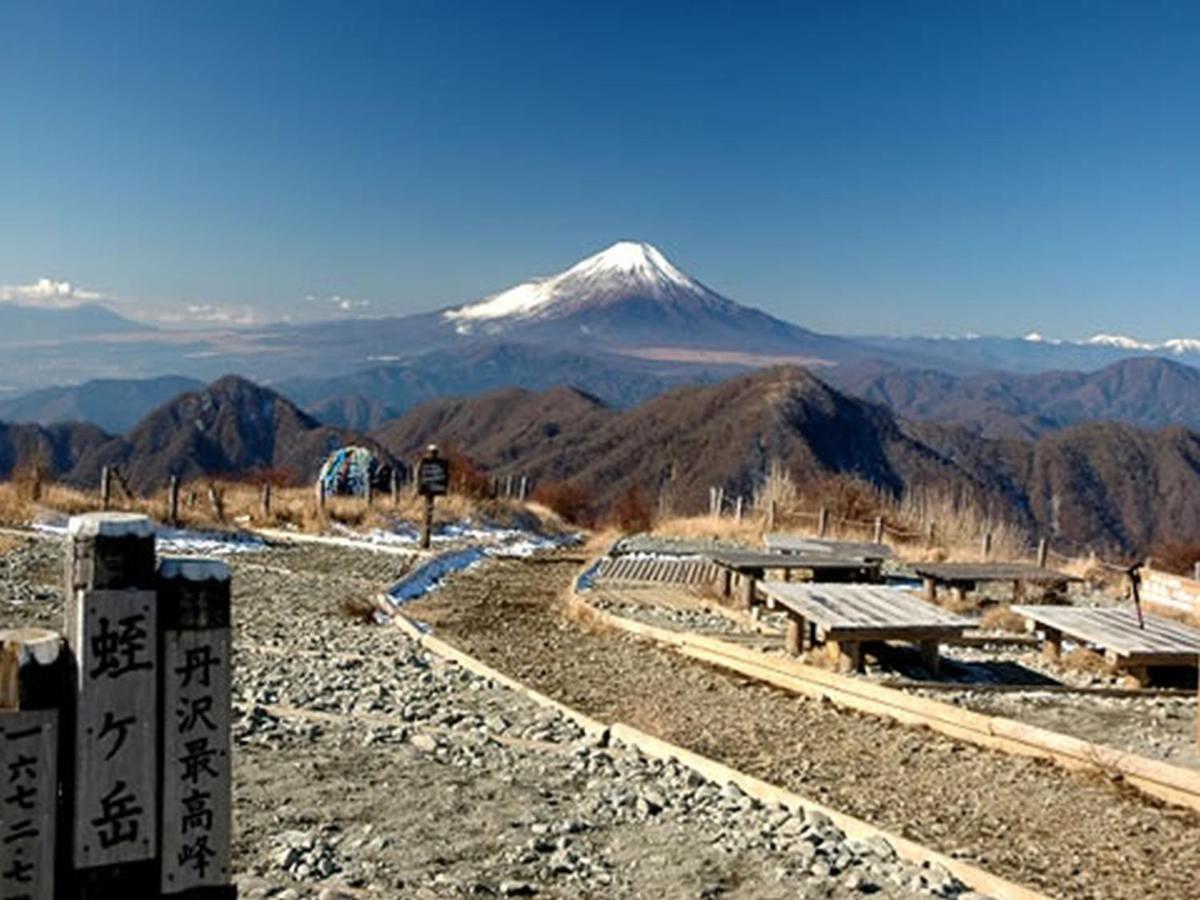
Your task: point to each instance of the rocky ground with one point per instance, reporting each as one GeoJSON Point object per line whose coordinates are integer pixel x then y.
{"type": "Point", "coordinates": [366, 767]}
{"type": "Point", "coordinates": [1160, 726]}
{"type": "Point", "coordinates": [1070, 835]}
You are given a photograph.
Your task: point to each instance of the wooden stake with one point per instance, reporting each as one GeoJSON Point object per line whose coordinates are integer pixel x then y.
{"type": "Point", "coordinates": [265, 502]}
{"type": "Point", "coordinates": [217, 502]}
{"type": "Point", "coordinates": [105, 487]}
{"type": "Point", "coordinates": [173, 501]}
{"type": "Point", "coordinates": [1042, 551]}
{"type": "Point", "coordinates": [395, 485]}
{"type": "Point", "coordinates": [738, 509]}
{"type": "Point", "coordinates": [822, 522]}
{"type": "Point", "coordinates": [427, 524]}
{"type": "Point", "coordinates": [879, 529]}
{"type": "Point", "coordinates": [986, 545]}
{"type": "Point", "coordinates": [772, 514]}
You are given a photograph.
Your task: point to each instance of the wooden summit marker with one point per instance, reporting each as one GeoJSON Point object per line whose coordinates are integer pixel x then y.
{"type": "Point", "coordinates": [112, 630]}
{"type": "Point", "coordinates": [197, 785]}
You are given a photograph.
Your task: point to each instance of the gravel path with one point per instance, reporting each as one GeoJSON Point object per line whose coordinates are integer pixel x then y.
{"type": "Point", "coordinates": [1070, 835]}
{"type": "Point", "coordinates": [366, 768]}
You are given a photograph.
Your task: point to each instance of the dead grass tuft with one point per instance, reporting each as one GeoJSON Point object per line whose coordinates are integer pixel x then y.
{"type": "Point", "coordinates": [360, 609]}
{"type": "Point", "coordinates": [1002, 618]}
{"type": "Point", "coordinates": [1084, 660]}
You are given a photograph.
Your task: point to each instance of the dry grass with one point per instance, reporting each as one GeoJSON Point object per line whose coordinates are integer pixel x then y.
{"type": "Point", "coordinates": [1082, 659]}
{"type": "Point", "coordinates": [1002, 618]}
{"type": "Point", "coordinates": [241, 505]}
{"type": "Point", "coordinates": [749, 530]}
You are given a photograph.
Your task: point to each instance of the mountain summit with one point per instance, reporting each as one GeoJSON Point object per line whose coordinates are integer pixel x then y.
{"type": "Point", "coordinates": [630, 297]}
{"type": "Point", "coordinates": [625, 270]}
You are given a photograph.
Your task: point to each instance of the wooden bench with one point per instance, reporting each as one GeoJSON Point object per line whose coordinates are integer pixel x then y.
{"type": "Point", "coordinates": [1127, 646]}
{"type": "Point", "coordinates": [750, 568]}
{"type": "Point", "coordinates": [847, 615]}
{"type": "Point", "coordinates": [966, 577]}
{"type": "Point", "coordinates": [647, 569]}
{"type": "Point", "coordinates": [783, 542]}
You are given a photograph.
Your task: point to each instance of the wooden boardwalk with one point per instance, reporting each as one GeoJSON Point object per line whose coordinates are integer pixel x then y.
{"type": "Point", "coordinates": [1126, 645]}
{"type": "Point", "coordinates": [655, 570]}
{"type": "Point", "coordinates": [750, 568]}
{"type": "Point", "coordinates": [846, 615]}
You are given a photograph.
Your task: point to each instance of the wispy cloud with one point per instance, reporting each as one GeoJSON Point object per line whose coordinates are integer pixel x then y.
{"type": "Point", "coordinates": [337, 301]}
{"type": "Point", "coordinates": [211, 314]}
{"type": "Point", "coordinates": [48, 292]}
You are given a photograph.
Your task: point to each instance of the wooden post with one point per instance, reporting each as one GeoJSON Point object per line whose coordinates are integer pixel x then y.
{"type": "Point", "coordinates": [32, 691]}
{"type": "Point", "coordinates": [105, 487]}
{"type": "Point", "coordinates": [720, 501]}
{"type": "Point", "coordinates": [319, 491]}
{"type": "Point", "coordinates": [986, 545]}
{"type": "Point", "coordinates": [173, 501]}
{"type": "Point", "coordinates": [879, 529]}
{"type": "Point", "coordinates": [1052, 645]}
{"type": "Point", "coordinates": [712, 501]}
{"type": "Point", "coordinates": [368, 492]}
{"type": "Point", "coordinates": [932, 536]}
{"type": "Point", "coordinates": [930, 589]}
{"type": "Point", "coordinates": [738, 509]}
{"type": "Point", "coordinates": [111, 625]}
{"type": "Point", "coordinates": [822, 522]}
{"type": "Point", "coordinates": [1196, 572]}
{"type": "Point", "coordinates": [794, 637]}
{"type": "Point", "coordinates": [930, 657]}
{"type": "Point", "coordinates": [748, 584]}
{"type": "Point", "coordinates": [197, 801]}
{"type": "Point", "coordinates": [427, 524]}
{"type": "Point", "coordinates": [265, 502]}
{"type": "Point", "coordinates": [508, 487]}
{"type": "Point", "coordinates": [1042, 551]}
{"type": "Point", "coordinates": [772, 515]}
{"type": "Point", "coordinates": [217, 502]}
{"type": "Point", "coordinates": [395, 485]}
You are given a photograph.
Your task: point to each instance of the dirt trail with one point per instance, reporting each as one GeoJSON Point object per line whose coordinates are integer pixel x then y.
{"type": "Point", "coordinates": [1069, 835]}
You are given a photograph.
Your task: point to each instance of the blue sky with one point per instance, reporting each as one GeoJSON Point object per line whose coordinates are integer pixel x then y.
{"type": "Point", "coordinates": [895, 167]}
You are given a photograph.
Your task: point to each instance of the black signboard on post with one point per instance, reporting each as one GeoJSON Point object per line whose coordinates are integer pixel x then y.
{"type": "Point", "coordinates": [433, 480]}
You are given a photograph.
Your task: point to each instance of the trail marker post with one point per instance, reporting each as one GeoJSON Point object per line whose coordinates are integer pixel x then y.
{"type": "Point", "coordinates": [433, 480]}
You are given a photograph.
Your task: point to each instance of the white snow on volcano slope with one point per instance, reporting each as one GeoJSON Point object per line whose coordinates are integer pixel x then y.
{"type": "Point", "coordinates": [626, 269]}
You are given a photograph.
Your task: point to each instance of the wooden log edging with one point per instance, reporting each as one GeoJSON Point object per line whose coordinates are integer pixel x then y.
{"type": "Point", "coordinates": [765, 792]}
{"type": "Point", "coordinates": [1161, 780]}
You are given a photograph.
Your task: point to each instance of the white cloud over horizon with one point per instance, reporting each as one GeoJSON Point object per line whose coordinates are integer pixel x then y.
{"type": "Point", "coordinates": [51, 292]}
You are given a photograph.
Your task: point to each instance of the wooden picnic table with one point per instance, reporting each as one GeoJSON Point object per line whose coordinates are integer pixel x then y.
{"type": "Point", "coordinates": [784, 542]}
{"type": "Point", "coordinates": [749, 568]}
{"type": "Point", "coordinates": [965, 577]}
{"type": "Point", "coordinates": [846, 615]}
{"type": "Point", "coordinates": [1129, 647]}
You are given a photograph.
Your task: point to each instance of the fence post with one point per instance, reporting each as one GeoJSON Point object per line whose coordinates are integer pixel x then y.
{"type": "Point", "coordinates": [508, 486]}
{"type": "Point", "coordinates": [319, 489]}
{"type": "Point", "coordinates": [1196, 571]}
{"type": "Point", "coordinates": [197, 802]}
{"type": "Point", "coordinates": [932, 534]}
{"type": "Point", "coordinates": [822, 521]}
{"type": "Point", "coordinates": [105, 487]}
{"type": "Point", "coordinates": [1042, 552]}
{"type": "Point", "coordinates": [368, 492]}
{"type": "Point", "coordinates": [986, 545]}
{"type": "Point", "coordinates": [265, 502]}
{"type": "Point", "coordinates": [173, 501]}
{"type": "Point", "coordinates": [32, 694]}
{"type": "Point", "coordinates": [395, 485]}
{"type": "Point", "coordinates": [772, 513]}
{"type": "Point", "coordinates": [738, 509]}
{"type": "Point", "coordinates": [879, 529]}
{"type": "Point", "coordinates": [111, 625]}
{"type": "Point", "coordinates": [524, 487]}
{"type": "Point", "coordinates": [720, 501]}
{"type": "Point", "coordinates": [217, 502]}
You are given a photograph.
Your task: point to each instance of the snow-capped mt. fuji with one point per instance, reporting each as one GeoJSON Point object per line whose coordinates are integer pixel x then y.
{"type": "Point", "coordinates": [631, 296]}
{"type": "Point", "coordinates": [626, 269]}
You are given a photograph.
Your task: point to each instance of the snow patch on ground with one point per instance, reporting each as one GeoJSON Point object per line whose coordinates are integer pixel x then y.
{"type": "Point", "coordinates": [496, 540]}
{"type": "Point", "coordinates": [183, 540]}
{"type": "Point", "coordinates": [425, 578]}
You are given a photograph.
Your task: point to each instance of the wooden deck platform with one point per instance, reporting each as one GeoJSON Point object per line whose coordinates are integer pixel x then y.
{"type": "Point", "coordinates": [966, 577]}
{"type": "Point", "coordinates": [843, 616]}
{"type": "Point", "coordinates": [1127, 646]}
{"type": "Point", "coordinates": [784, 542]}
{"type": "Point", "coordinates": [750, 568]}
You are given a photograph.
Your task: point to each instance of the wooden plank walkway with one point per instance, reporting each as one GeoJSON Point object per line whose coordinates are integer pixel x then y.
{"type": "Point", "coordinates": [654, 570]}
{"type": "Point", "coordinates": [949, 573]}
{"type": "Point", "coordinates": [784, 542]}
{"type": "Point", "coordinates": [749, 568]}
{"type": "Point", "coordinates": [847, 615]}
{"type": "Point", "coordinates": [1162, 642]}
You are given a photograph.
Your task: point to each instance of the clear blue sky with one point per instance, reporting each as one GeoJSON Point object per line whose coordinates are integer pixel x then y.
{"type": "Point", "coordinates": [855, 167]}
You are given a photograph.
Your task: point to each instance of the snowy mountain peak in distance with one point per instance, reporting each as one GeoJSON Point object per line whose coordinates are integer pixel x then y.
{"type": "Point", "coordinates": [627, 269]}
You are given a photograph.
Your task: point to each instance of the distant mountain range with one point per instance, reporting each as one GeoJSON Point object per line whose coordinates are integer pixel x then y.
{"type": "Point", "coordinates": [1147, 392]}
{"type": "Point", "coordinates": [114, 405]}
{"type": "Point", "coordinates": [1099, 485]}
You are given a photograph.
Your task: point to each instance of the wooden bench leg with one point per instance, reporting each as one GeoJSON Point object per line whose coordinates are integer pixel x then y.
{"type": "Point", "coordinates": [726, 582]}
{"type": "Point", "coordinates": [1018, 593]}
{"type": "Point", "coordinates": [847, 655]}
{"type": "Point", "coordinates": [748, 585]}
{"type": "Point", "coordinates": [931, 590]}
{"type": "Point", "coordinates": [794, 637]}
{"type": "Point", "coordinates": [1138, 676]}
{"type": "Point", "coordinates": [930, 657]}
{"type": "Point", "coordinates": [1052, 646]}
